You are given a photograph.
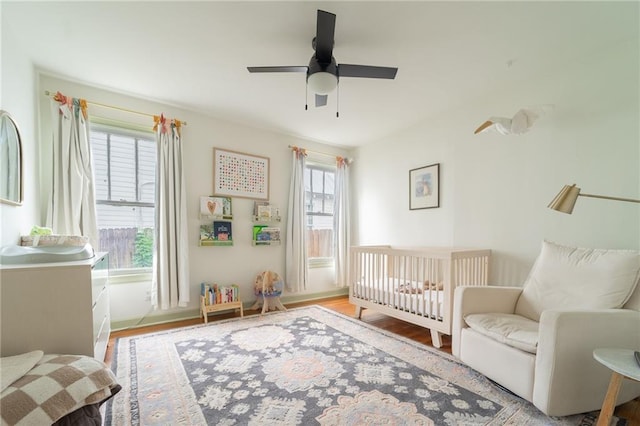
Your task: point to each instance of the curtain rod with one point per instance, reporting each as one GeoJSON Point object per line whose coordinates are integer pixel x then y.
{"type": "Point", "coordinates": [51, 94]}
{"type": "Point", "coordinates": [318, 152]}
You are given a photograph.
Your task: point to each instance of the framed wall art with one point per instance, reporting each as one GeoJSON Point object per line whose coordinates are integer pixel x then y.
{"type": "Point", "coordinates": [236, 174]}
{"type": "Point", "coordinates": [424, 187]}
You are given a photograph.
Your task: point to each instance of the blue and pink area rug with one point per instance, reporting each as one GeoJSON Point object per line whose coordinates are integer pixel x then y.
{"type": "Point", "coordinates": [301, 367]}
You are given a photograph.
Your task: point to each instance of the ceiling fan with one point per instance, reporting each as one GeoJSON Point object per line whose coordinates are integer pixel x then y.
{"type": "Point", "coordinates": [323, 72]}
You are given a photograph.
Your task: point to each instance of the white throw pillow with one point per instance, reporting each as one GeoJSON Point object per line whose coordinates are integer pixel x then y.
{"type": "Point", "coordinates": [578, 278]}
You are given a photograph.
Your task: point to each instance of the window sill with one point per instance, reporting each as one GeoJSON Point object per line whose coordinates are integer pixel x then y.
{"type": "Point", "coordinates": [320, 262]}
{"type": "Point", "coordinates": [126, 277]}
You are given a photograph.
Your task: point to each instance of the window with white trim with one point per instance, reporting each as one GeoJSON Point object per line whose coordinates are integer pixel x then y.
{"type": "Point", "coordinates": [319, 182]}
{"type": "Point", "coordinates": [124, 164]}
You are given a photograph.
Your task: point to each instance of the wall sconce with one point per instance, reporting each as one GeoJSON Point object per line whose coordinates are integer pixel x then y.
{"type": "Point", "coordinates": [566, 199]}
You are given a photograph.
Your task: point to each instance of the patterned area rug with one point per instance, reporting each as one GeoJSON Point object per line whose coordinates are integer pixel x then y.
{"type": "Point", "coordinates": [301, 367]}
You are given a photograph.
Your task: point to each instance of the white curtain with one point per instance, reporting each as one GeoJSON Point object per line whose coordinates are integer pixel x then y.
{"type": "Point", "coordinates": [71, 209]}
{"type": "Point", "coordinates": [341, 222]}
{"type": "Point", "coordinates": [171, 261]}
{"type": "Point", "coordinates": [296, 247]}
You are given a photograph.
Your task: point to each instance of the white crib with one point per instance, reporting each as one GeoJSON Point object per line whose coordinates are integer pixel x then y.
{"type": "Point", "coordinates": [414, 284]}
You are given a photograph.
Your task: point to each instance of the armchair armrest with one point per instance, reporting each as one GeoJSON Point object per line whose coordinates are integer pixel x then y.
{"type": "Point", "coordinates": [473, 300]}
{"type": "Point", "coordinates": [565, 363]}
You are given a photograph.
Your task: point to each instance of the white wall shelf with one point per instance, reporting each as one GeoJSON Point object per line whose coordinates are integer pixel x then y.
{"type": "Point", "coordinates": [273, 219]}
{"type": "Point", "coordinates": [215, 243]}
{"type": "Point", "coordinates": [216, 216]}
{"type": "Point", "coordinates": [266, 243]}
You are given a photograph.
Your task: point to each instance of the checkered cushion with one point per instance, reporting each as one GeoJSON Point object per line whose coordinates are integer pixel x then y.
{"type": "Point", "coordinates": [56, 386]}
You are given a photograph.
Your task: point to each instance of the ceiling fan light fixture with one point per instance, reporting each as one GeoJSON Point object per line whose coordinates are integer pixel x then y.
{"type": "Point", "coordinates": [322, 82]}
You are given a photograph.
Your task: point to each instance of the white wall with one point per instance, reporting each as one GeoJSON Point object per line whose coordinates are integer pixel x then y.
{"type": "Point", "coordinates": [225, 265]}
{"type": "Point", "coordinates": [17, 92]}
{"type": "Point", "coordinates": [495, 189]}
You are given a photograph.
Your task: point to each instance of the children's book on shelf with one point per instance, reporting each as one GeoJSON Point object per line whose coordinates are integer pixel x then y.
{"type": "Point", "coordinates": [217, 233]}
{"type": "Point", "coordinates": [257, 205]}
{"type": "Point", "coordinates": [257, 229]}
{"type": "Point", "coordinates": [263, 233]}
{"type": "Point", "coordinates": [216, 206]}
{"type": "Point", "coordinates": [214, 294]}
{"type": "Point", "coordinates": [275, 212]}
{"type": "Point", "coordinates": [272, 232]}
{"type": "Point", "coordinates": [206, 234]}
{"type": "Point", "coordinates": [265, 211]}
{"type": "Point", "coordinates": [222, 231]}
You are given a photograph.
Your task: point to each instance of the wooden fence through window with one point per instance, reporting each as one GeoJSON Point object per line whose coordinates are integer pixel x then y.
{"type": "Point", "coordinates": [121, 245]}
{"type": "Point", "coordinates": [319, 243]}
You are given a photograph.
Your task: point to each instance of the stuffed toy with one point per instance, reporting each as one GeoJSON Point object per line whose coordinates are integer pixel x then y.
{"type": "Point", "coordinates": [268, 283]}
{"type": "Point", "coordinates": [409, 289]}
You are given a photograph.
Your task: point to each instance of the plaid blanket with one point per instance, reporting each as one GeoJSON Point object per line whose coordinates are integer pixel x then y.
{"type": "Point", "coordinates": [56, 386]}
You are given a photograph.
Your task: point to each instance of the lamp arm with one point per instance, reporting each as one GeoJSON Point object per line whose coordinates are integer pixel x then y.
{"type": "Point", "coordinates": [631, 200]}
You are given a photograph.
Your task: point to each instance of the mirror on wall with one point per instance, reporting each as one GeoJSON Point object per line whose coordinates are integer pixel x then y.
{"type": "Point", "coordinates": [10, 161]}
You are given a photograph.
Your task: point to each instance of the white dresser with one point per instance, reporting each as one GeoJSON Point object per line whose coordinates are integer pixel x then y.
{"type": "Point", "coordinates": [55, 307]}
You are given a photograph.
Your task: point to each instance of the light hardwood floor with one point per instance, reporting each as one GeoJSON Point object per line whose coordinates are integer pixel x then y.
{"type": "Point", "coordinates": [630, 411]}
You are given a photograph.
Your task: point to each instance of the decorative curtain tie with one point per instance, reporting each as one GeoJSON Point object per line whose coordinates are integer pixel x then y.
{"type": "Point", "coordinates": [162, 121]}
{"type": "Point", "coordinates": [74, 104]}
{"type": "Point", "coordinates": [299, 151]}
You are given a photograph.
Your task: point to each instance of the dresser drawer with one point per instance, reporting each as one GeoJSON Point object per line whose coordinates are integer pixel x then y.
{"type": "Point", "coordinates": [100, 312]}
{"type": "Point", "coordinates": [99, 278]}
{"type": "Point", "coordinates": [102, 340]}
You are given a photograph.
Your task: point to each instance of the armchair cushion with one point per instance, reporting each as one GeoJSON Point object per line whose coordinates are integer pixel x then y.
{"type": "Point", "coordinates": [578, 278]}
{"type": "Point", "coordinates": [513, 330]}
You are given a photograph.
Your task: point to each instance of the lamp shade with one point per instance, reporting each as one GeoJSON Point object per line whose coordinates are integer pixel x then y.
{"type": "Point", "coordinates": [566, 199]}
{"type": "Point", "coordinates": [322, 82]}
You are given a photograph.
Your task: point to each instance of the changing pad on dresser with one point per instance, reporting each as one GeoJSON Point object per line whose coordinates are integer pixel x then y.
{"type": "Point", "coordinates": [24, 255]}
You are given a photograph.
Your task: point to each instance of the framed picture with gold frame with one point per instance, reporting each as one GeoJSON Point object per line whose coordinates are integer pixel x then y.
{"type": "Point", "coordinates": [236, 174]}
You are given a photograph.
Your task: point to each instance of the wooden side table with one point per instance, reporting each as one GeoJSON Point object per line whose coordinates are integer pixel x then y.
{"type": "Point", "coordinates": [623, 365]}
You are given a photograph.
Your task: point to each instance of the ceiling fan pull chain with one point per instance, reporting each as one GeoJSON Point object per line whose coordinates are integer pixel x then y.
{"type": "Point", "coordinates": [306, 95]}
{"type": "Point", "coordinates": [338, 99]}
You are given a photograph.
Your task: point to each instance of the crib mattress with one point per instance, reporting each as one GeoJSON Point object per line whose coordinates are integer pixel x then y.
{"type": "Point", "coordinates": [404, 295]}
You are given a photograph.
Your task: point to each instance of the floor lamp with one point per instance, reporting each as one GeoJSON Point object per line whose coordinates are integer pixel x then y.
{"type": "Point", "coordinates": [566, 199]}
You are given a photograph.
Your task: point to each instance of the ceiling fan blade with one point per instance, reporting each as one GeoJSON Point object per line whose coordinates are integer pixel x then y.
{"type": "Point", "coordinates": [321, 100]}
{"type": "Point", "coordinates": [325, 30]}
{"type": "Point", "coordinates": [366, 71]}
{"type": "Point", "coordinates": [279, 69]}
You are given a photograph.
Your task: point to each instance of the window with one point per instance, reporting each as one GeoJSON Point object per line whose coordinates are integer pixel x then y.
{"type": "Point", "coordinates": [124, 164]}
{"type": "Point", "coordinates": [319, 182]}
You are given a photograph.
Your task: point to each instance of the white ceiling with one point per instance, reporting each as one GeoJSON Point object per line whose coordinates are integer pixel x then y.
{"type": "Point", "coordinates": [194, 54]}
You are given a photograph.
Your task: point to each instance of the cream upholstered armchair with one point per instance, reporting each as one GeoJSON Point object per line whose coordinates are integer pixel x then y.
{"type": "Point", "coordinates": [538, 340]}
